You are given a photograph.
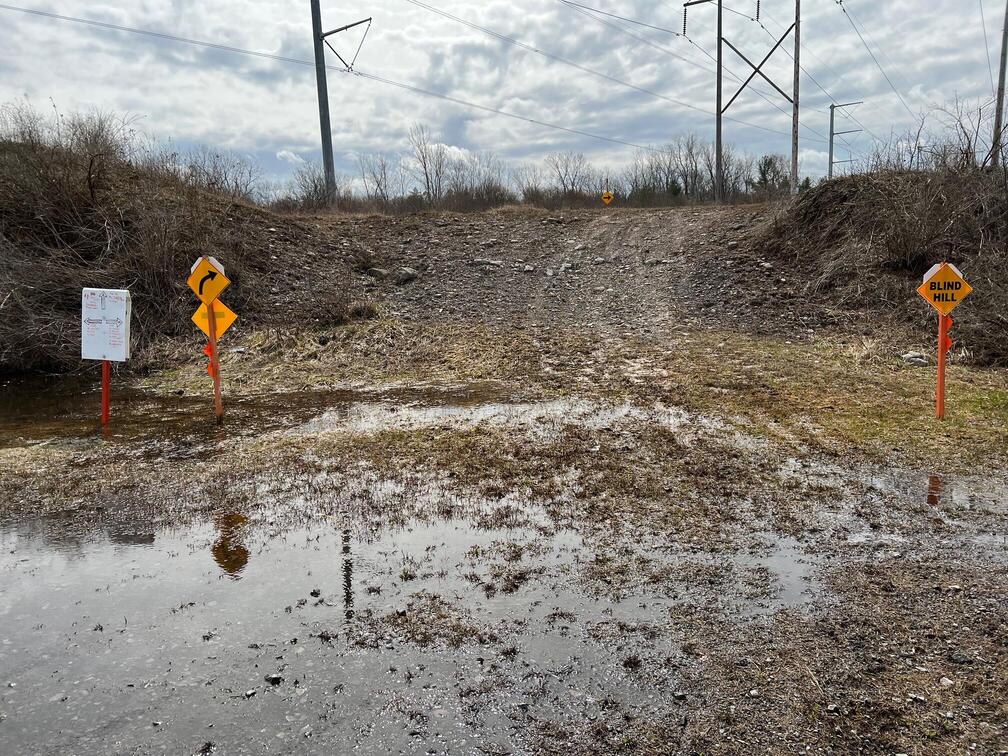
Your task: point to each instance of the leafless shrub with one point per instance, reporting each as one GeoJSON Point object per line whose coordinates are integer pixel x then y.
{"type": "Point", "coordinates": [889, 227]}
{"type": "Point", "coordinates": [308, 192]}
{"type": "Point", "coordinates": [86, 200]}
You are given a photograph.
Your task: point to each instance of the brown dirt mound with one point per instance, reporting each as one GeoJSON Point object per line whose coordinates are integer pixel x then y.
{"type": "Point", "coordinates": [73, 219]}
{"type": "Point", "coordinates": [862, 243]}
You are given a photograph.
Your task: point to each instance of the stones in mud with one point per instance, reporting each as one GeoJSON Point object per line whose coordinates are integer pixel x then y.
{"type": "Point", "coordinates": [915, 358]}
{"type": "Point", "coordinates": [315, 593]}
{"type": "Point", "coordinates": [958, 657]}
{"type": "Point", "coordinates": [633, 663]}
{"type": "Point", "coordinates": [274, 679]}
{"type": "Point", "coordinates": [732, 245]}
{"type": "Point", "coordinates": [529, 269]}
{"type": "Point", "coordinates": [486, 263]}
{"type": "Point", "coordinates": [946, 682]}
{"type": "Point", "coordinates": [378, 273]}
{"type": "Point", "coordinates": [404, 275]}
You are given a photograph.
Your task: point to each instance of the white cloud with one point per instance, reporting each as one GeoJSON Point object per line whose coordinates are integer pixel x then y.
{"type": "Point", "coordinates": [289, 157]}
{"type": "Point", "coordinates": [253, 105]}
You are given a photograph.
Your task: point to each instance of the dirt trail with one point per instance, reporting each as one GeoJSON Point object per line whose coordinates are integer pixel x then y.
{"type": "Point", "coordinates": [519, 513]}
{"type": "Point", "coordinates": [625, 270]}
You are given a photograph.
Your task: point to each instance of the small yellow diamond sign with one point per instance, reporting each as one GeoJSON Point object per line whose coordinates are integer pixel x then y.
{"type": "Point", "coordinates": [207, 280]}
{"type": "Point", "coordinates": [607, 196]}
{"type": "Point", "coordinates": [224, 318]}
{"type": "Point", "coordinates": [944, 288]}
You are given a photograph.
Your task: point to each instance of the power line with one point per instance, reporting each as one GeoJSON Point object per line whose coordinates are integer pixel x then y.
{"type": "Point", "coordinates": [297, 61]}
{"type": "Point", "coordinates": [551, 56]}
{"type": "Point", "coordinates": [990, 66]}
{"type": "Point", "coordinates": [802, 67]}
{"type": "Point", "coordinates": [892, 86]}
{"type": "Point", "coordinates": [582, 8]}
{"type": "Point", "coordinates": [588, 12]}
{"type": "Point", "coordinates": [822, 137]}
{"type": "Point", "coordinates": [624, 18]}
{"type": "Point", "coordinates": [578, 66]}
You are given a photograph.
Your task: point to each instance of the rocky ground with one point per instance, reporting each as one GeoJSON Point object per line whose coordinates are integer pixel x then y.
{"type": "Point", "coordinates": [613, 489]}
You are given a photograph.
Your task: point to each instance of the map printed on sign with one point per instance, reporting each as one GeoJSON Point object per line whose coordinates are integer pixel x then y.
{"type": "Point", "coordinates": [224, 318]}
{"type": "Point", "coordinates": [944, 288]}
{"type": "Point", "coordinates": [105, 324]}
{"type": "Point", "coordinates": [207, 279]}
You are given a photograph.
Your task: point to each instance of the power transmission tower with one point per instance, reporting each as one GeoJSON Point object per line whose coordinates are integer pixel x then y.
{"type": "Point", "coordinates": [323, 89]}
{"type": "Point", "coordinates": [756, 70]}
{"type": "Point", "coordinates": [833, 133]}
{"type": "Point", "coordinates": [999, 115]}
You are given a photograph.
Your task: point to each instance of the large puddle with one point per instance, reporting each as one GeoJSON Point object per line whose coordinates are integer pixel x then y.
{"type": "Point", "coordinates": [441, 634]}
{"type": "Point", "coordinates": [345, 611]}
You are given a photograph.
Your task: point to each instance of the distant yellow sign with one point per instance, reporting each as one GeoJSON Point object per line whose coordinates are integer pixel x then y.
{"type": "Point", "coordinates": [607, 196]}
{"type": "Point", "coordinates": [944, 288]}
{"type": "Point", "coordinates": [223, 318]}
{"type": "Point", "coordinates": [207, 280]}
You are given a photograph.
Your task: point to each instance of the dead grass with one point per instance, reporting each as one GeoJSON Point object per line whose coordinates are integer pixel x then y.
{"type": "Point", "coordinates": [863, 242]}
{"type": "Point", "coordinates": [85, 203]}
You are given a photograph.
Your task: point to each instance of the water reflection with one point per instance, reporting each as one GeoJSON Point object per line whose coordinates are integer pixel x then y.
{"type": "Point", "coordinates": [934, 490]}
{"type": "Point", "coordinates": [347, 576]}
{"type": "Point", "coordinates": [228, 550]}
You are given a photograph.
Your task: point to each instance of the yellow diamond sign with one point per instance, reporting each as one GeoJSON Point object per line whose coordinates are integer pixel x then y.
{"type": "Point", "coordinates": [223, 318]}
{"type": "Point", "coordinates": [607, 196]}
{"type": "Point", "coordinates": [944, 288]}
{"type": "Point", "coordinates": [207, 280]}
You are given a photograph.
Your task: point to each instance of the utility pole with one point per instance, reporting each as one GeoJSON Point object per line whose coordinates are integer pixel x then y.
{"type": "Point", "coordinates": [833, 133]}
{"type": "Point", "coordinates": [323, 89]}
{"type": "Point", "coordinates": [719, 150]}
{"type": "Point", "coordinates": [999, 115]}
{"type": "Point", "coordinates": [794, 102]}
{"type": "Point", "coordinates": [323, 99]}
{"type": "Point", "coordinates": [757, 70]}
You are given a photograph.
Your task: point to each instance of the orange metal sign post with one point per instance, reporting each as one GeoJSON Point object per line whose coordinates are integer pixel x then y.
{"type": "Point", "coordinates": [207, 280]}
{"type": "Point", "coordinates": [215, 365]}
{"type": "Point", "coordinates": [944, 288]}
{"type": "Point", "coordinates": [944, 345]}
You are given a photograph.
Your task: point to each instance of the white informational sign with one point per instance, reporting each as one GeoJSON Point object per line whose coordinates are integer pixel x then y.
{"type": "Point", "coordinates": [105, 324]}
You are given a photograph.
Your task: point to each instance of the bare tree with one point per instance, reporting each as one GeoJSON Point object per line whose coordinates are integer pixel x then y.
{"type": "Point", "coordinates": [571, 171]}
{"type": "Point", "coordinates": [378, 175]}
{"type": "Point", "coordinates": [432, 162]}
{"type": "Point", "coordinates": [529, 181]}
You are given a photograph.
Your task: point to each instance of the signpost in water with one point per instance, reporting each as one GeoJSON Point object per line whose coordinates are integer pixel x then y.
{"type": "Point", "coordinates": [105, 334]}
{"type": "Point", "coordinates": [944, 288]}
{"type": "Point", "coordinates": [207, 280]}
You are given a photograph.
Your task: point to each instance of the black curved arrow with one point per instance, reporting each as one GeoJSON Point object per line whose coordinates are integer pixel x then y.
{"type": "Point", "coordinates": [208, 277]}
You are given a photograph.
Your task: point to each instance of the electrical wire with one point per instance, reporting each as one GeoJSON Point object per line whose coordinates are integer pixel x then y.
{"type": "Point", "coordinates": [578, 66]}
{"type": "Point", "coordinates": [584, 10]}
{"type": "Point", "coordinates": [892, 86]}
{"type": "Point", "coordinates": [624, 18]}
{"type": "Point", "coordinates": [990, 66]}
{"type": "Point", "coordinates": [297, 61]}
{"type": "Point", "coordinates": [804, 70]}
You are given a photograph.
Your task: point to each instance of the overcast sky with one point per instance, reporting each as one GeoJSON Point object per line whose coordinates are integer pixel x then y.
{"type": "Point", "coordinates": [932, 50]}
